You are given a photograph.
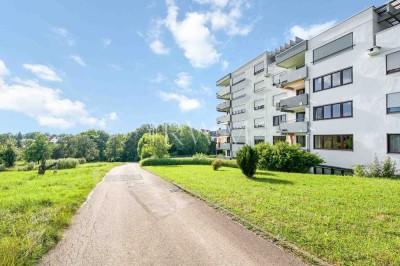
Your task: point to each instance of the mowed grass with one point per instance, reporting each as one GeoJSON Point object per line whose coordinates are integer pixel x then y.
{"type": "Point", "coordinates": [34, 210]}
{"type": "Point", "coordinates": [343, 220]}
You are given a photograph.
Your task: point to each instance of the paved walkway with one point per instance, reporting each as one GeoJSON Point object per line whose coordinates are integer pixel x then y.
{"type": "Point", "coordinates": [136, 218]}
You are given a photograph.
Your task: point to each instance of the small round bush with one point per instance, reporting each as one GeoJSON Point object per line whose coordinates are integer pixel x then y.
{"type": "Point", "coordinates": [247, 159]}
{"type": "Point", "coordinates": [216, 164]}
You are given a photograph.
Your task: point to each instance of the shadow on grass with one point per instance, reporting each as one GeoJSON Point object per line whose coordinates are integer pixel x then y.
{"type": "Point", "coordinates": [265, 173]}
{"type": "Point", "coordinates": [270, 180]}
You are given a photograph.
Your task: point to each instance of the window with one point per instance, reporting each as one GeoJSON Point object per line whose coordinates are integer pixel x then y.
{"type": "Point", "coordinates": [238, 94]}
{"type": "Point", "coordinates": [301, 140]}
{"type": "Point", "coordinates": [276, 139]}
{"type": "Point", "coordinates": [238, 140]}
{"type": "Point", "coordinates": [330, 111]}
{"type": "Point", "coordinates": [328, 170]}
{"type": "Point", "coordinates": [333, 48]}
{"type": "Point", "coordinates": [259, 104]}
{"type": "Point", "coordinates": [393, 63]}
{"type": "Point", "coordinates": [259, 68]}
{"type": "Point", "coordinates": [336, 79]}
{"type": "Point", "coordinates": [258, 140]}
{"type": "Point", "coordinates": [393, 102]}
{"type": "Point", "coordinates": [238, 78]}
{"type": "Point", "coordinates": [259, 122]}
{"type": "Point", "coordinates": [259, 86]}
{"type": "Point", "coordinates": [393, 143]}
{"type": "Point", "coordinates": [239, 125]}
{"type": "Point", "coordinates": [300, 92]}
{"type": "Point", "coordinates": [240, 109]}
{"type": "Point", "coordinates": [277, 98]}
{"type": "Point", "coordinates": [300, 117]}
{"type": "Point", "coordinates": [278, 120]}
{"type": "Point", "coordinates": [333, 142]}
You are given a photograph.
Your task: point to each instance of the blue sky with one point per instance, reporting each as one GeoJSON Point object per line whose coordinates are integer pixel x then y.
{"type": "Point", "coordinates": [68, 66]}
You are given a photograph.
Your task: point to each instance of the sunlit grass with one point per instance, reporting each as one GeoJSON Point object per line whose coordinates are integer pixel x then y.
{"type": "Point", "coordinates": [343, 220]}
{"type": "Point", "coordinates": [34, 210]}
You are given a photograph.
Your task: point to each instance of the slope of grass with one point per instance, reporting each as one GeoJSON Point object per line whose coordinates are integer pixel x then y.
{"type": "Point", "coordinates": [34, 210]}
{"type": "Point", "coordinates": [343, 220]}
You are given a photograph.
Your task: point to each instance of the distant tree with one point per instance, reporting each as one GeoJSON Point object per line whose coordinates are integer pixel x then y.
{"type": "Point", "coordinates": [31, 135]}
{"type": "Point", "coordinates": [83, 147]}
{"type": "Point", "coordinates": [19, 139]}
{"type": "Point", "coordinates": [189, 141]}
{"type": "Point", "coordinates": [212, 148]}
{"type": "Point", "coordinates": [154, 146]}
{"type": "Point", "coordinates": [8, 152]}
{"type": "Point", "coordinates": [130, 149]}
{"type": "Point", "coordinates": [100, 137]}
{"type": "Point", "coordinates": [115, 148]}
{"type": "Point", "coordinates": [38, 149]}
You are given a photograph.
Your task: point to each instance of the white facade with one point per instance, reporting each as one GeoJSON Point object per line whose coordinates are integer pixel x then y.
{"type": "Point", "coordinates": [351, 117]}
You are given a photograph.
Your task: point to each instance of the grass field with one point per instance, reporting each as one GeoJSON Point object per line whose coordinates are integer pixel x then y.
{"type": "Point", "coordinates": [34, 210]}
{"type": "Point", "coordinates": [343, 220]}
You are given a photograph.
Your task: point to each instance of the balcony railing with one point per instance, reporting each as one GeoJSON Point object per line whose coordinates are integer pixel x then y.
{"type": "Point", "coordinates": [224, 81]}
{"type": "Point", "coordinates": [223, 146]}
{"type": "Point", "coordinates": [294, 127]}
{"type": "Point", "coordinates": [292, 103]}
{"type": "Point", "coordinates": [223, 107]}
{"type": "Point", "coordinates": [279, 80]}
{"type": "Point", "coordinates": [223, 132]}
{"type": "Point", "coordinates": [224, 93]}
{"type": "Point", "coordinates": [223, 119]}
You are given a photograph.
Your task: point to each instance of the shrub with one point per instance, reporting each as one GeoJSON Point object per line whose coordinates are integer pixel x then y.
{"type": "Point", "coordinates": [82, 160]}
{"type": "Point", "coordinates": [247, 159]}
{"type": "Point", "coordinates": [389, 168]}
{"type": "Point", "coordinates": [377, 168]}
{"type": "Point", "coordinates": [284, 157]}
{"type": "Point", "coordinates": [8, 153]}
{"type": "Point", "coordinates": [27, 167]}
{"type": "Point", "coordinates": [359, 170]}
{"type": "Point", "coordinates": [66, 163]}
{"type": "Point", "coordinates": [216, 164]}
{"type": "Point", "coordinates": [2, 167]}
{"type": "Point", "coordinates": [184, 161]}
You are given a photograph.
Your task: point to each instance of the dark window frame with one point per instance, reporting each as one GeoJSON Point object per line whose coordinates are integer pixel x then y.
{"type": "Point", "coordinates": [259, 126]}
{"type": "Point", "coordinates": [257, 141]}
{"type": "Point", "coordinates": [331, 74]}
{"type": "Point", "coordinates": [335, 53]}
{"type": "Point", "coordinates": [388, 72]}
{"type": "Point", "coordinates": [304, 117]}
{"type": "Point", "coordinates": [259, 71]}
{"type": "Point", "coordinates": [280, 139]}
{"type": "Point", "coordinates": [279, 120]}
{"type": "Point", "coordinates": [331, 108]}
{"type": "Point", "coordinates": [332, 136]}
{"type": "Point", "coordinates": [387, 108]}
{"type": "Point", "coordinates": [388, 142]}
{"type": "Point", "coordinates": [305, 140]}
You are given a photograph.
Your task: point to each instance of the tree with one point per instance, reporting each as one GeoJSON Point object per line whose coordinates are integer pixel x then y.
{"type": "Point", "coordinates": [100, 137]}
{"type": "Point", "coordinates": [247, 159]}
{"type": "Point", "coordinates": [130, 150]}
{"type": "Point", "coordinates": [19, 139]}
{"type": "Point", "coordinates": [115, 148]}
{"type": "Point", "coordinates": [8, 153]}
{"type": "Point", "coordinates": [154, 146]}
{"type": "Point", "coordinates": [189, 141]}
{"type": "Point", "coordinates": [40, 148]}
{"type": "Point", "coordinates": [83, 147]}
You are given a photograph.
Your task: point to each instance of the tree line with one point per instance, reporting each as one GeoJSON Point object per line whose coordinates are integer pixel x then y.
{"type": "Point", "coordinates": [97, 145]}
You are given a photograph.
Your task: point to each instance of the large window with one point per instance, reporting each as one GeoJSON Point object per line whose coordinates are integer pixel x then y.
{"type": "Point", "coordinates": [238, 94]}
{"type": "Point", "coordinates": [393, 143]}
{"type": "Point", "coordinates": [238, 140]}
{"type": "Point", "coordinates": [238, 78]}
{"type": "Point", "coordinates": [259, 104]}
{"type": "Point", "coordinates": [300, 117]}
{"type": "Point", "coordinates": [259, 122]}
{"type": "Point", "coordinates": [335, 79]}
{"type": "Point", "coordinates": [239, 125]}
{"type": "Point", "coordinates": [238, 109]}
{"type": "Point", "coordinates": [259, 68]}
{"type": "Point", "coordinates": [301, 140]}
{"type": "Point", "coordinates": [330, 111]}
{"type": "Point", "coordinates": [393, 102]}
{"type": "Point", "coordinates": [393, 62]}
{"type": "Point", "coordinates": [333, 142]}
{"type": "Point", "coordinates": [333, 48]}
{"type": "Point", "coordinates": [276, 139]}
{"type": "Point", "coordinates": [277, 120]}
{"type": "Point", "coordinates": [259, 86]}
{"type": "Point", "coordinates": [258, 140]}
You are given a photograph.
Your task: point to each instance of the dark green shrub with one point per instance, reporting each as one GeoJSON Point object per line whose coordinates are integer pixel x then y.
{"type": "Point", "coordinates": [247, 159]}
{"type": "Point", "coordinates": [8, 153]}
{"type": "Point", "coordinates": [284, 157]}
{"type": "Point", "coordinates": [216, 164]}
{"type": "Point", "coordinates": [66, 163]}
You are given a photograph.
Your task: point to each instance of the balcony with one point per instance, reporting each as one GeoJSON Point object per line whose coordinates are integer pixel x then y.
{"type": "Point", "coordinates": [224, 106]}
{"type": "Point", "coordinates": [223, 119]}
{"type": "Point", "coordinates": [294, 127]}
{"type": "Point", "coordinates": [223, 146]}
{"type": "Point", "coordinates": [292, 54]}
{"type": "Point", "coordinates": [223, 132]}
{"type": "Point", "coordinates": [285, 79]}
{"type": "Point", "coordinates": [225, 81]}
{"type": "Point", "coordinates": [224, 93]}
{"type": "Point", "coordinates": [293, 104]}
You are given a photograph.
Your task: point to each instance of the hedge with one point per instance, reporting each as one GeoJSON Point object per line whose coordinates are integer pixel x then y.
{"type": "Point", "coordinates": [66, 163]}
{"type": "Point", "coordinates": [184, 161]}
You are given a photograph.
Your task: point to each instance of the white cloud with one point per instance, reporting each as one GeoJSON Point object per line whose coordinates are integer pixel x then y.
{"type": "Point", "coordinates": [158, 47]}
{"type": "Point", "coordinates": [206, 90]}
{"type": "Point", "coordinates": [113, 116]}
{"type": "Point", "coordinates": [43, 72]}
{"type": "Point", "coordinates": [63, 33]}
{"type": "Point", "coordinates": [310, 31]}
{"type": "Point", "coordinates": [224, 65]}
{"type": "Point", "coordinates": [159, 78]}
{"type": "Point", "coordinates": [106, 42]}
{"type": "Point", "coordinates": [185, 104]}
{"type": "Point", "coordinates": [116, 67]}
{"type": "Point", "coordinates": [78, 60]}
{"type": "Point", "coordinates": [3, 69]}
{"type": "Point", "coordinates": [215, 3]}
{"type": "Point", "coordinates": [183, 80]}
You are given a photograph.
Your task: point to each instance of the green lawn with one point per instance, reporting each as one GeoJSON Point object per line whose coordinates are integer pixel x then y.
{"type": "Point", "coordinates": [343, 220]}
{"type": "Point", "coordinates": [34, 210]}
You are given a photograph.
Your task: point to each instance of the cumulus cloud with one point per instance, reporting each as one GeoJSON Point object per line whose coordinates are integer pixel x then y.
{"type": "Point", "coordinates": [158, 47]}
{"type": "Point", "coordinates": [113, 116]}
{"type": "Point", "coordinates": [183, 80]}
{"type": "Point", "coordinates": [77, 59]}
{"type": "Point", "coordinates": [46, 105]}
{"type": "Point", "coordinates": [64, 34]}
{"type": "Point", "coordinates": [215, 3]}
{"type": "Point", "coordinates": [308, 32]}
{"type": "Point", "coordinates": [185, 104]}
{"type": "Point", "coordinates": [3, 69]}
{"type": "Point", "coordinates": [42, 72]}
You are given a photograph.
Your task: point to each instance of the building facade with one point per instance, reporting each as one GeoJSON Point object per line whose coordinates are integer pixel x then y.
{"type": "Point", "coordinates": [337, 94]}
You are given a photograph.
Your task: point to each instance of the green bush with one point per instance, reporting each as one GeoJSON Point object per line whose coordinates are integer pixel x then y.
{"type": "Point", "coordinates": [247, 159]}
{"type": "Point", "coordinates": [216, 164]}
{"type": "Point", "coordinates": [2, 167]}
{"type": "Point", "coordinates": [67, 163]}
{"type": "Point", "coordinates": [184, 161]}
{"type": "Point", "coordinates": [27, 167]}
{"type": "Point", "coordinates": [377, 168]}
{"type": "Point", "coordinates": [284, 157]}
{"type": "Point", "coordinates": [200, 156]}
{"type": "Point", "coordinates": [82, 160]}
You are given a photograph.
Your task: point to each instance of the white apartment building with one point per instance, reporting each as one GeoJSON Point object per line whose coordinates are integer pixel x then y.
{"type": "Point", "coordinates": [337, 94]}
